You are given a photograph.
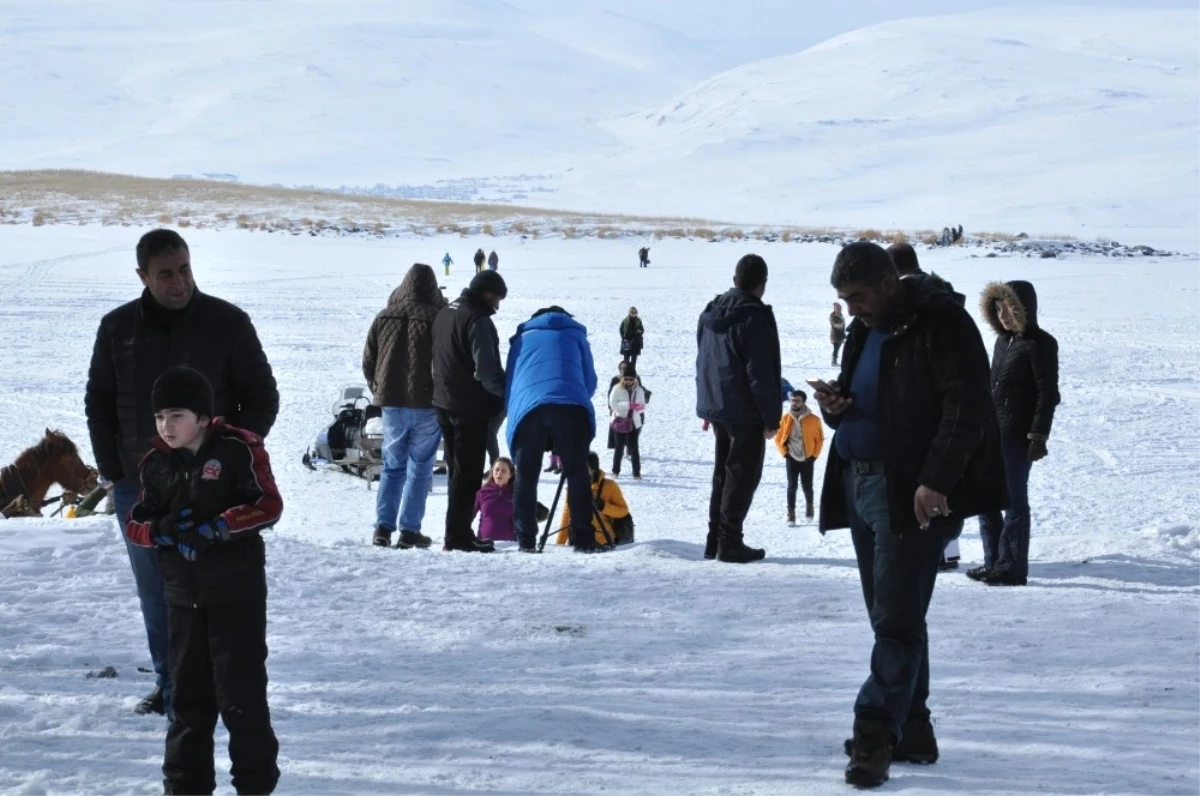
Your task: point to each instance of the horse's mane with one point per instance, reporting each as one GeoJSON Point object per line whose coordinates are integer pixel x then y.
{"type": "Point", "coordinates": [51, 446]}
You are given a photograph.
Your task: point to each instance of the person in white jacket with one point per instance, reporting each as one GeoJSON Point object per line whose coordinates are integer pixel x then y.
{"type": "Point", "coordinates": [627, 403]}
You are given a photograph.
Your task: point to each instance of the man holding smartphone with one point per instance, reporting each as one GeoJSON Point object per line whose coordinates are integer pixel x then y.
{"type": "Point", "coordinates": [738, 383]}
{"type": "Point", "coordinates": [916, 442]}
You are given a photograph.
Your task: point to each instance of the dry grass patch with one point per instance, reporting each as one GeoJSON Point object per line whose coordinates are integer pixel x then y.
{"type": "Point", "coordinates": [869, 234]}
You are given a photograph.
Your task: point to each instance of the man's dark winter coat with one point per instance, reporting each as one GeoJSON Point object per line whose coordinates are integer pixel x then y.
{"type": "Point", "coordinates": [936, 413]}
{"type": "Point", "coordinates": [228, 478]}
{"type": "Point", "coordinates": [138, 341]}
{"type": "Point", "coordinates": [467, 376]}
{"type": "Point", "coordinates": [738, 371]}
{"type": "Point", "coordinates": [398, 356]}
{"type": "Point", "coordinates": [1024, 363]}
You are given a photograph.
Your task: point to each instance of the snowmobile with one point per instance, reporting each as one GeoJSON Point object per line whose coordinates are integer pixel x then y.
{"type": "Point", "coordinates": [353, 442]}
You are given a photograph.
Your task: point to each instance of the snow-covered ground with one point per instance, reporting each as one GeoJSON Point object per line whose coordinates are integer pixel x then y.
{"type": "Point", "coordinates": [647, 669]}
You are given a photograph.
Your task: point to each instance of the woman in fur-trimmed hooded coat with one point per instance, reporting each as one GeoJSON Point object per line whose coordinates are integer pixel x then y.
{"type": "Point", "coordinates": [1025, 392]}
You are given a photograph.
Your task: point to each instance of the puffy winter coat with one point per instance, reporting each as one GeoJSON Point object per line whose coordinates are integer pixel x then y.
{"type": "Point", "coordinates": [837, 327]}
{"type": "Point", "coordinates": [810, 427]}
{"type": "Point", "coordinates": [137, 341]}
{"type": "Point", "coordinates": [397, 359]}
{"type": "Point", "coordinates": [230, 479]}
{"type": "Point", "coordinates": [467, 376]}
{"type": "Point", "coordinates": [614, 508]}
{"type": "Point", "coordinates": [620, 401]}
{"type": "Point", "coordinates": [738, 376]}
{"type": "Point", "coordinates": [549, 362]}
{"type": "Point", "coordinates": [494, 504]}
{"type": "Point", "coordinates": [633, 331]}
{"type": "Point", "coordinates": [935, 412]}
{"type": "Point", "coordinates": [1024, 363]}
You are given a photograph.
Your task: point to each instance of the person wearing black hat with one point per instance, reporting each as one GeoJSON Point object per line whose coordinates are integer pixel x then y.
{"type": "Point", "coordinates": [468, 392]}
{"type": "Point", "coordinates": [173, 322]}
{"type": "Point", "coordinates": [207, 492]}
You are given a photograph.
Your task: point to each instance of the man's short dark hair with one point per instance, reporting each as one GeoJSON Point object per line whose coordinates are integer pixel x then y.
{"type": "Point", "coordinates": [800, 394]}
{"type": "Point", "coordinates": [862, 262]}
{"type": "Point", "coordinates": [156, 243]}
{"type": "Point", "coordinates": [751, 273]}
{"type": "Point", "coordinates": [904, 257]}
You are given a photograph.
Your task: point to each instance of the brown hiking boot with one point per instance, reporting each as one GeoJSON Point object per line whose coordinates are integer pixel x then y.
{"type": "Point", "coordinates": [871, 755]}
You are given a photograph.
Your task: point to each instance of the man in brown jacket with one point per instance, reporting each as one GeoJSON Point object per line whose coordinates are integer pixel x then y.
{"type": "Point", "coordinates": [398, 365]}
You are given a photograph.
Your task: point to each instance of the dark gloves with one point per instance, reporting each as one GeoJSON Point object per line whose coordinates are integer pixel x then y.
{"type": "Point", "coordinates": [1037, 450]}
{"type": "Point", "coordinates": [167, 529]}
{"type": "Point", "coordinates": [193, 542]}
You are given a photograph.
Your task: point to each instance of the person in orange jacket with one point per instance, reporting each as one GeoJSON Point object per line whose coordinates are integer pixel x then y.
{"type": "Point", "coordinates": [800, 438]}
{"type": "Point", "coordinates": [609, 501]}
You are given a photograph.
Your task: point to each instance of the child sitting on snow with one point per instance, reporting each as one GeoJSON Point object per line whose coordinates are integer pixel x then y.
{"type": "Point", "coordinates": [608, 500]}
{"type": "Point", "coordinates": [494, 504]}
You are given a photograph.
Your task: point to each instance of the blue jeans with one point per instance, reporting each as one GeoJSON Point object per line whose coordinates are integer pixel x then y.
{"type": "Point", "coordinates": [897, 575]}
{"type": "Point", "coordinates": [151, 591]}
{"type": "Point", "coordinates": [1006, 538]}
{"type": "Point", "coordinates": [410, 443]}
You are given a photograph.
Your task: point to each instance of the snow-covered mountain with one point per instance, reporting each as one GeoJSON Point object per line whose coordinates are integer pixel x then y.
{"type": "Point", "coordinates": [1052, 120]}
{"type": "Point", "coordinates": [1080, 121]}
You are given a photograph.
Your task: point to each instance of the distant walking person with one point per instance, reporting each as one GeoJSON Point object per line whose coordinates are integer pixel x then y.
{"type": "Point", "coordinates": [916, 443]}
{"type": "Point", "coordinates": [493, 261]}
{"type": "Point", "coordinates": [644, 257]}
{"type": "Point", "coordinates": [738, 383]}
{"type": "Point", "coordinates": [632, 333]}
{"type": "Point", "coordinates": [171, 323]}
{"type": "Point", "coordinates": [800, 439]}
{"type": "Point", "coordinates": [1025, 391]}
{"type": "Point", "coordinates": [627, 404]}
{"type": "Point", "coordinates": [447, 262]}
{"type": "Point", "coordinates": [551, 381]}
{"type": "Point", "coordinates": [837, 330]}
{"type": "Point", "coordinates": [468, 391]}
{"type": "Point", "coordinates": [479, 258]}
{"type": "Point", "coordinates": [398, 365]}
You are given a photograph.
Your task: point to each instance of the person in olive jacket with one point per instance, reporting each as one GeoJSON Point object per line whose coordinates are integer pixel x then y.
{"type": "Point", "coordinates": [171, 323]}
{"type": "Point", "coordinates": [207, 493]}
{"type": "Point", "coordinates": [398, 365]}
{"type": "Point", "coordinates": [1025, 391]}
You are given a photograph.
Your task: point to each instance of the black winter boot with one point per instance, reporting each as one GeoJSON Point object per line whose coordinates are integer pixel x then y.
{"type": "Point", "coordinates": [871, 755]}
{"type": "Point", "coordinates": [710, 546]}
{"type": "Point", "coordinates": [808, 509]}
{"type": "Point", "coordinates": [413, 539]}
{"type": "Point", "coordinates": [919, 745]}
{"type": "Point", "coordinates": [978, 573]}
{"type": "Point", "coordinates": [151, 703]}
{"type": "Point", "coordinates": [739, 553]}
{"type": "Point", "coordinates": [382, 537]}
{"type": "Point", "coordinates": [471, 544]}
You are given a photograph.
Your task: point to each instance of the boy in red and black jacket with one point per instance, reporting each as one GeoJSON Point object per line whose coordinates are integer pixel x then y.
{"type": "Point", "coordinates": [207, 492]}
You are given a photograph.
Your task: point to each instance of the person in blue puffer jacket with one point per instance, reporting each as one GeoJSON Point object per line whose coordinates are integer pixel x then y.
{"type": "Point", "coordinates": [550, 381]}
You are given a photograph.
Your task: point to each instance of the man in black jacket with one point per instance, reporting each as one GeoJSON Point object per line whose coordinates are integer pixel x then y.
{"type": "Point", "coordinates": [468, 391]}
{"type": "Point", "coordinates": [738, 383]}
{"type": "Point", "coordinates": [172, 323]}
{"type": "Point", "coordinates": [916, 443]}
{"type": "Point", "coordinates": [1025, 391]}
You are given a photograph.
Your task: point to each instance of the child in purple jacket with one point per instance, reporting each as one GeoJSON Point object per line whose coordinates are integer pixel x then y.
{"type": "Point", "coordinates": [494, 504]}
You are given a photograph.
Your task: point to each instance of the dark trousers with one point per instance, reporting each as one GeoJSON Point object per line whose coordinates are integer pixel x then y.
{"type": "Point", "coordinates": [466, 446]}
{"type": "Point", "coordinates": [801, 471]}
{"type": "Point", "coordinates": [569, 429]}
{"type": "Point", "coordinates": [897, 576]}
{"type": "Point", "coordinates": [628, 441]}
{"type": "Point", "coordinates": [736, 473]}
{"type": "Point", "coordinates": [218, 661]}
{"type": "Point", "coordinates": [1006, 538]}
{"type": "Point", "coordinates": [837, 346]}
{"type": "Point", "coordinates": [493, 440]}
{"type": "Point", "coordinates": [631, 359]}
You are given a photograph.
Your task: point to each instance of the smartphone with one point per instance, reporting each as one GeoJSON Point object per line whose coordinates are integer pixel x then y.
{"type": "Point", "coordinates": [820, 386]}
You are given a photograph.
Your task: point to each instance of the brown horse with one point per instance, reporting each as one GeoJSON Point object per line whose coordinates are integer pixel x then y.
{"type": "Point", "coordinates": [25, 482]}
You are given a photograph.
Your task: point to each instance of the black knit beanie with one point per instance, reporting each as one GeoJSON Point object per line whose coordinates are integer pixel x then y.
{"type": "Point", "coordinates": [489, 282]}
{"type": "Point", "coordinates": [182, 387]}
